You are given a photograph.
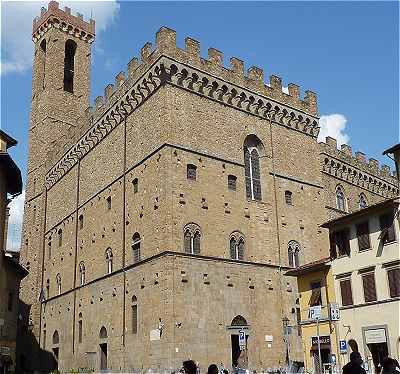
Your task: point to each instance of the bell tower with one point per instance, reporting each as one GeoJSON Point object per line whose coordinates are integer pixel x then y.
{"type": "Point", "coordinates": [60, 98]}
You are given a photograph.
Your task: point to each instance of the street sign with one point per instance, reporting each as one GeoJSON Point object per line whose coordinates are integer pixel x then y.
{"type": "Point", "coordinates": [343, 346]}
{"type": "Point", "coordinates": [315, 312]}
{"type": "Point", "coordinates": [323, 340]}
{"type": "Point", "coordinates": [334, 312]}
{"type": "Point", "coordinates": [242, 340]}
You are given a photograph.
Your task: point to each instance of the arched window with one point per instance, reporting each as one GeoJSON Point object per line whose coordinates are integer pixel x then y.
{"type": "Point", "coordinates": [239, 321]}
{"type": "Point", "coordinates": [82, 273]}
{"type": "Point", "coordinates": [134, 315]}
{"type": "Point", "coordinates": [289, 198]}
{"type": "Point", "coordinates": [293, 253]}
{"type": "Point", "coordinates": [192, 238]}
{"type": "Point", "coordinates": [232, 182]}
{"type": "Point", "coordinates": [135, 184]}
{"type": "Point", "coordinates": [103, 333]}
{"type": "Point", "coordinates": [191, 172]}
{"type": "Point", "coordinates": [80, 328]}
{"type": "Point", "coordinates": [109, 260]}
{"type": "Point", "coordinates": [237, 246]}
{"type": "Point", "coordinates": [363, 201]}
{"type": "Point", "coordinates": [252, 151]}
{"type": "Point", "coordinates": [56, 338]}
{"type": "Point", "coordinates": [42, 52]}
{"type": "Point", "coordinates": [58, 280]}
{"type": "Point", "coordinates": [80, 219]}
{"type": "Point", "coordinates": [60, 237]}
{"type": "Point", "coordinates": [69, 65]}
{"type": "Point", "coordinates": [340, 199]}
{"type": "Point", "coordinates": [136, 247]}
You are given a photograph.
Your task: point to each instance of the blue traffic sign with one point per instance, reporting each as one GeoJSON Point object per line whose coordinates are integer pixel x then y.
{"type": "Point", "coordinates": [343, 346]}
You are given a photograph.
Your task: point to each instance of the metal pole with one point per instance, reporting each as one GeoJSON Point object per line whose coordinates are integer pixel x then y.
{"type": "Point", "coordinates": [319, 348]}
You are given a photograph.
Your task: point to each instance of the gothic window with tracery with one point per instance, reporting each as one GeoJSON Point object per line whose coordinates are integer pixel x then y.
{"type": "Point", "coordinates": [252, 151]}
{"type": "Point", "coordinates": [237, 246]}
{"type": "Point", "coordinates": [192, 238]}
{"type": "Point", "coordinates": [293, 253]}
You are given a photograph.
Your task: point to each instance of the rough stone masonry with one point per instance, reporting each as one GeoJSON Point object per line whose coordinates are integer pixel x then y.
{"type": "Point", "coordinates": [159, 222]}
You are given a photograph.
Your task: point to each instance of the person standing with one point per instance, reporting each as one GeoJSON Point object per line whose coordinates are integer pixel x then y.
{"type": "Point", "coordinates": [354, 366]}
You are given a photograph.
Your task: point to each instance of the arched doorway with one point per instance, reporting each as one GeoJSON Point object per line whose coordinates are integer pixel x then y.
{"type": "Point", "coordinates": [239, 354]}
{"type": "Point", "coordinates": [103, 348]}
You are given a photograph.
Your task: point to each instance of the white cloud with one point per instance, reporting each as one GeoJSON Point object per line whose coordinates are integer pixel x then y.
{"type": "Point", "coordinates": [285, 90]}
{"type": "Point", "coordinates": [16, 27]}
{"type": "Point", "coordinates": [333, 125]}
{"type": "Point", "coordinates": [15, 222]}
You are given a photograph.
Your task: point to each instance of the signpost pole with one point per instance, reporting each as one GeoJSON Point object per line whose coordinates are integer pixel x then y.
{"type": "Point", "coordinates": [319, 347]}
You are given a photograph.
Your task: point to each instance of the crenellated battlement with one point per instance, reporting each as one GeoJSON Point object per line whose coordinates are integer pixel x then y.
{"type": "Point", "coordinates": [367, 173]}
{"type": "Point", "coordinates": [64, 20]}
{"type": "Point", "coordinates": [252, 80]}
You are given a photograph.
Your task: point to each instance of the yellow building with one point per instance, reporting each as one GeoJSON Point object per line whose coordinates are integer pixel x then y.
{"type": "Point", "coordinates": [317, 297]}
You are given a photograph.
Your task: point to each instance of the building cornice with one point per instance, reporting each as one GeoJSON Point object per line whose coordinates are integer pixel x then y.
{"type": "Point", "coordinates": [163, 71]}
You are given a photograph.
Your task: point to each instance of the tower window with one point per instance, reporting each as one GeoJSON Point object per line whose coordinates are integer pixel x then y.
{"type": "Point", "coordinates": [81, 222]}
{"type": "Point", "coordinates": [82, 273]}
{"type": "Point", "coordinates": [42, 73]}
{"type": "Point", "coordinates": [136, 247]}
{"type": "Point", "coordinates": [135, 184]}
{"type": "Point", "coordinates": [232, 182]}
{"type": "Point", "coordinates": [58, 280]}
{"type": "Point", "coordinates": [134, 315]}
{"type": "Point", "coordinates": [109, 202]}
{"type": "Point", "coordinates": [109, 260]}
{"type": "Point", "coordinates": [289, 198]}
{"type": "Point", "coordinates": [80, 328]}
{"type": "Point", "coordinates": [69, 62]}
{"type": "Point", "coordinates": [191, 172]}
{"type": "Point", "coordinates": [60, 237]}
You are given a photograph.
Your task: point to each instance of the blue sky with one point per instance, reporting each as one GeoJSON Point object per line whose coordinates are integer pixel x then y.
{"type": "Point", "coordinates": [347, 52]}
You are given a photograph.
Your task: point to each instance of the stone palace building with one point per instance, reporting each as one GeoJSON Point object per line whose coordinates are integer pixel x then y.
{"type": "Point", "coordinates": [160, 221]}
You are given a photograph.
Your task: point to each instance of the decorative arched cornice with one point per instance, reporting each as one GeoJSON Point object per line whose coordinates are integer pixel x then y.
{"type": "Point", "coordinates": [353, 175]}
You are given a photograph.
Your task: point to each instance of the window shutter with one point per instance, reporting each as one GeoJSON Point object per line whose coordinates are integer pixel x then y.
{"type": "Point", "coordinates": [332, 243]}
{"type": "Point", "coordinates": [232, 248]}
{"type": "Point", "coordinates": [196, 243]}
{"type": "Point", "coordinates": [386, 222]}
{"type": "Point", "coordinates": [241, 250]}
{"type": "Point", "coordinates": [369, 287]}
{"type": "Point", "coordinates": [363, 236]}
{"type": "Point", "coordinates": [345, 289]}
{"type": "Point", "coordinates": [394, 282]}
{"type": "Point", "coordinates": [247, 173]}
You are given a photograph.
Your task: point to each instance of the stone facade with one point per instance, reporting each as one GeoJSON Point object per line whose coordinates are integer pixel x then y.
{"type": "Point", "coordinates": [120, 169]}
